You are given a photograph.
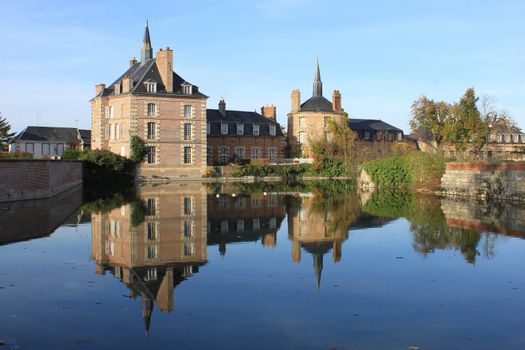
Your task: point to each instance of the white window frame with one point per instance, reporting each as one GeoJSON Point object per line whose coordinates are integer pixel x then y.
{"type": "Point", "coordinates": [186, 132]}
{"type": "Point", "coordinates": [151, 156]}
{"type": "Point", "coordinates": [187, 111]}
{"type": "Point", "coordinates": [224, 128]}
{"type": "Point", "coordinates": [240, 129]}
{"type": "Point", "coordinates": [151, 86]}
{"type": "Point", "coordinates": [151, 133]}
{"type": "Point", "coordinates": [273, 130]}
{"type": "Point", "coordinates": [185, 160]}
{"type": "Point", "coordinates": [151, 109]}
{"type": "Point", "coordinates": [256, 153]}
{"type": "Point", "coordinates": [256, 129]}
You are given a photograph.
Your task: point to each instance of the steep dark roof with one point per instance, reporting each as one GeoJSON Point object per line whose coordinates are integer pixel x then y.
{"type": "Point", "coordinates": [214, 118]}
{"type": "Point", "coordinates": [142, 72]}
{"type": "Point", "coordinates": [317, 104]}
{"type": "Point", "coordinates": [371, 124]}
{"type": "Point", "coordinates": [85, 135]}
{"type": "Point", "coordinates": [52, 134]}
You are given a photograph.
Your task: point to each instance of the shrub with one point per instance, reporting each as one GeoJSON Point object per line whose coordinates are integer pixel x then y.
{"type": "Point", "coordinates": [16, 155]}
{"type": "Point", "coordinates": [138, 149]}
{"type": "Point", "coordinates": [72, 154]}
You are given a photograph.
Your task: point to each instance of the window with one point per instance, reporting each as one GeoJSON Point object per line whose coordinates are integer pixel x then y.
{"type": "Point", "coordinates": [272, 200]}
{"type": "Point", "coordinates": [151, 207]}
{"type": "Point", "coordinates": [151, 154]}
{"type": "Point", "coordinates": [256, 202]}
{"type": "Point", "coordinates": [367, 135]}
{"type": "Point", "coordinates": [187, 155]}
{"type": "Point", "coordinates": [60, 149]}
{"type": "Point", "coordinates": [108, 131]}
{"type": "Point", "coordinates": [189, 248]}
{"type": "Point", "coordinates": [152, 109]}
{"type": "Point", "coordinates": [187, 111]}
{"type": "Point", "coordinates": [152, 231]}
{"type": "Point", "coordinates": [224, 202]}
{"type": "Point", "coordinates": [302, 137]}
{"type": "Point", "coordinates": [240, 225]}
{"type": "Point", "coordinates": [273, 222]}
{"type": "Point", "coordinates": [151, 275]}
{"type": "Point", "coordinates": [515, 138]}
{"type": "Point", "coordinates": [153, 251]}
{"type": "Point", "coordinates": [187, 228]}
{"type": "Point", "coordinates": [256, 129]}
{"type": "Point", "coordinates": [187, 131]}
{"type": "Point", "coordinates": [186, 205]}
{"type": "Point", "coordinates": [379, 135]}
{"type": "Point", "coordinates": [272, 154]}
{"type": "Point", "coordinates": [399, 136]}
{"type": "Point", "coordinates": [30, 148]}
{"type": "Point", "coordinates": [151, 86]}
{"type": "Point", "coordinates": [240, 203]}
{"type": "Point", "coordinates": [208, 128]}
{"type": "Point", "coordinates": [302, 122]}
{"type": "Point", "coordinates": [256, 224]}
{"type": "Point", "coordinates": [151, 130]}
{"type": "Point", "coordinates": [117, 89]}
{"type": "Point", "coordinates": [256, 153]}
{"type": "Point", "coordinates": [224, 154]}
{"type": "Point", "coordinates": [239, 152]}
{"type": "Point", "coordinates": [240, 129]}
{"type": "Point", "coordinates": [187, 89]}
{"type": "Point", "coordinates": [224, 128]}
{"type": "Point", "coordinates": [117, 132]}
{"type": "Point", "coordinates": [108, 111]}
{"type": "Point", "coordinates": [45, 148]}
{"type": "Point", "coordinates": [272, 130]}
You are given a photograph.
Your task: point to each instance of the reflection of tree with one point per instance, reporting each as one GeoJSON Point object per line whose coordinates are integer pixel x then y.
{"type": "Point", "coordinates": [427, 222]}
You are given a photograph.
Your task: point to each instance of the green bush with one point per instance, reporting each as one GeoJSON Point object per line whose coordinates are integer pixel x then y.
{"type": "Point", "coordinates": [72, 154]}
{"type": "Point", "coordinates": [16, 155]}
{"type": "Point", "coordinates": [138, 149]}
{"type": "Point", "coordinates": [419, 169]}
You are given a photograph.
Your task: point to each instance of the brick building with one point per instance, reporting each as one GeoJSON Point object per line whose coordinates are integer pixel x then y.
{"type": "Point", "coordinates": [239, 136]}
{"type": "Point", "coordinates": [309, 121]}
{"type": "Point", "coordinates": [153, 102]}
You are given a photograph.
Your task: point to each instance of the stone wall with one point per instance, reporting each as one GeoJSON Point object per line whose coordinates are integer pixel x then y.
{"type": "Point", "coordinates": [503, 181]}
{"type": "Point", "coordinates": [33, 179]}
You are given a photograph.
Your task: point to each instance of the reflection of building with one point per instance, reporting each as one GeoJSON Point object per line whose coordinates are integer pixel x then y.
{"type": "Point", "coordinates": [244, 218]}
{"type": "Point", "coordinates": [152, 256]}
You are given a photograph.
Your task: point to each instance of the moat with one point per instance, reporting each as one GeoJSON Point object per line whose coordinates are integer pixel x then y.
{"type": "Point", "coordinates": [200, 266]}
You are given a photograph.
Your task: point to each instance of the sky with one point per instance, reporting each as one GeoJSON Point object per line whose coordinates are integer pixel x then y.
{"type": "Point", "coordinates": [382, 55]}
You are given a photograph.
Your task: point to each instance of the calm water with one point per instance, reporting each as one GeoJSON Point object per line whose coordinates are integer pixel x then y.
{"type": "Point", "coordinates": [190, 266]}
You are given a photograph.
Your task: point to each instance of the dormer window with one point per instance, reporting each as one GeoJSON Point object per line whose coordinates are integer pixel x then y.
{"type": "Point", "coordinates": [117, 89]}
{"type": "Point", "coordinates": [240, 129]}
{"type": "Point", "coordinates": [151, 86]}
{"type": "Point", "coordinates": [224, 128]}
{"type": "Point", "coordinates": [187, 89]}
{"type": "Point", "coordinates": [272, 130]}
{"type": "Point", "coordinates": [256, 128]}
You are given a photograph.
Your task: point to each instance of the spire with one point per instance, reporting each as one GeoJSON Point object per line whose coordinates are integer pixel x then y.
{"type": "Point", "coordinates": [147, 308]}
{"type": "Point", "coordinates": [146, 53]}
{"type": "Point", "coordinates": [318, 268]}
{"type": "Point", "coordinates": [318, 84]}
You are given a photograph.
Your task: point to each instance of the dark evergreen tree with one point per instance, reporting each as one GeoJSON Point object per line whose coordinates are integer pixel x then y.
{"type": "Point", "coordinates": [6, 137]}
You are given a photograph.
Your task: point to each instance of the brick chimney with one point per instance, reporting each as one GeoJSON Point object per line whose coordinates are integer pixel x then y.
{"type": "Point", "coordinates": [99, 88]}
{"type": "Point", "coordinates": [222, 108]}
{"type": "Point", "coordinates": [296, 101]}
{"type": "Point", "coordinates": [269, 111]}
{"type": "Point", "coordinates": [132, 62]}
{"type": "Point", "coordinates": [336, 101]}
{"type": "Point", "coordinates": [127, 84]}
{"type": "Point", "coordinates": [165, 66]}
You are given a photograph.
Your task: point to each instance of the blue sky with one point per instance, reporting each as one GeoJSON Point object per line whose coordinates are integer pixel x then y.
{"type": "Point", "coordinates": [381, 55]}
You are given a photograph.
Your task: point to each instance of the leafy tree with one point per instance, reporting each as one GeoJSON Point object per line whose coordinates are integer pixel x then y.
{"type": "Point", "coordinates": [429, 119]}
{"type": "Point", "coordinates": [6, 137]}
{"type": "Point", "coordinates": [138, 149]}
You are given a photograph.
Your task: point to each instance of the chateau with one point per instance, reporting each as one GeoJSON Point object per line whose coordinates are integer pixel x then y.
{"type": "Point", "coordinates": [153, 102]}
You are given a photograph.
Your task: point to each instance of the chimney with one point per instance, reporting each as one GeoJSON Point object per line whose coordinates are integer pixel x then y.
{"type": "Point", "coordinates": [222, 108]}
{"type": "Point", "coordinates": [296, 101]}
{"type": "Point", "coordinates": [127, 84]}
{"type": "Point", "coordinates": [336, 101]}
{"type": "Point", "coordinates": [270, 112]}
{"type": "Point", "coordinates": [99, 88]}
{"type": "Point", "coordinates": [132, 62]}
{"type": "Point", "coordinates": [165, 66]}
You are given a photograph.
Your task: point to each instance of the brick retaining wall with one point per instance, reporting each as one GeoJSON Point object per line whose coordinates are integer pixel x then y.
{"type": "Point", "coordinates": [485, 180]}
{"type": "Point", "coordinates": [32, 179]}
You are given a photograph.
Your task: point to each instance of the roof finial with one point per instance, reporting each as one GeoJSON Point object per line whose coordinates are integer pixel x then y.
{"type": "Point", "coordinates": [318, 85]}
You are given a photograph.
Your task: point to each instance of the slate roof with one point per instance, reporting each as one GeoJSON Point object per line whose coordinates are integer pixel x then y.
{"type": "Point", "coordinates": [371, 124]}
{"type": "Point", "coordinates": [214, 118]}
{"type": "Point", "coordinates": [85, 135]}
{"type": "Point", "coordinates": [317, 104]}
{"type": "Point", "coordinates": [142, 72]}
{"type": "Point", "coordinates": [51, 134]}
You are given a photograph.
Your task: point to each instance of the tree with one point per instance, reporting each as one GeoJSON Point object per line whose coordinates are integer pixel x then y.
{"type": "Point", "coordinates": [497, 120]}
{"type": "Point", "coordinates": [429, 118]}
{"type": "Point", "coordinates": [138, 149]}
{"type": "Point", "coordinates": [5, 136]}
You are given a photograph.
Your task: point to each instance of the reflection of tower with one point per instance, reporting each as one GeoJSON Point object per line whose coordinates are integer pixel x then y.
{"type": "Point", "coordinates": [315, 227]}
{"type": "Point", "coordinates": [154, 243]}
